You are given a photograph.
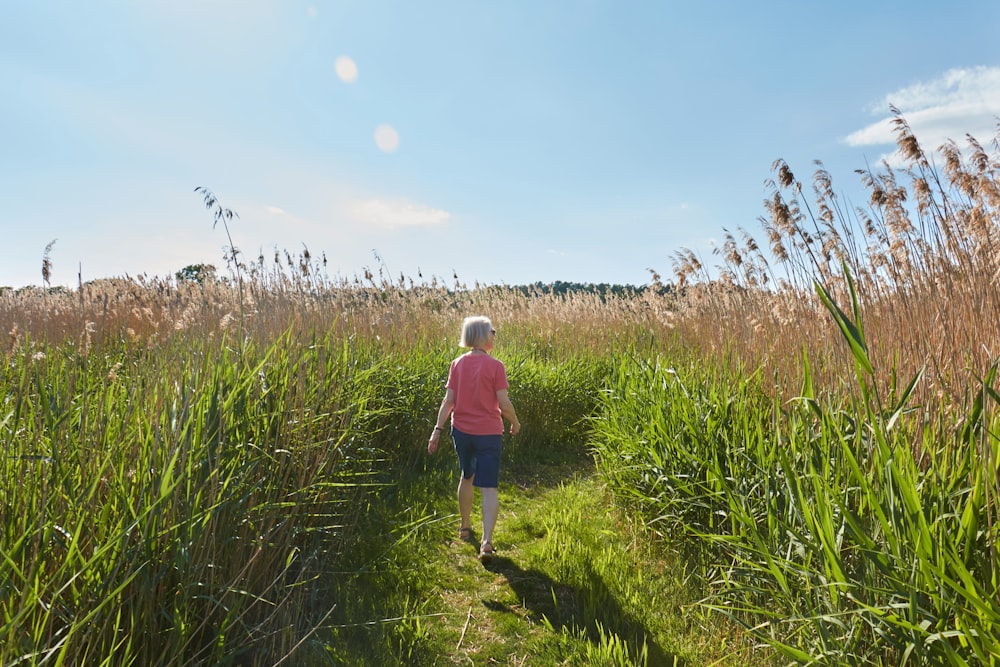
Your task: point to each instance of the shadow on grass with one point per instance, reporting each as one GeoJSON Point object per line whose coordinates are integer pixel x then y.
{"type": "Point", "coordinates": [543, 469]}
{"type": "Point", "coordinates": [578, 607]}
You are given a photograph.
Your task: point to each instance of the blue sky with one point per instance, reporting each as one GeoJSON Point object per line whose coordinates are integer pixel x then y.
{"type": "Point", "coordinates": [508, 142]}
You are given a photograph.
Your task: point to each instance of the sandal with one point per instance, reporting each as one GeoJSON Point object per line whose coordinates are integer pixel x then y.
{"type": "Point", "coordinates": [466, 534]}
{"type": "Point", "coordinates": [485, 553]}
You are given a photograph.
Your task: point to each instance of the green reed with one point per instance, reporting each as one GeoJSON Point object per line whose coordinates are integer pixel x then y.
{"type": "Point", "coordinates": [172, 505]}
{"type": "Point", "coordinates": [839, 533]}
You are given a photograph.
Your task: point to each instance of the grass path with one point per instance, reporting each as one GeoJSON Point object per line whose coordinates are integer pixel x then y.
{"type": "Point", "coordinates": [570, 583]}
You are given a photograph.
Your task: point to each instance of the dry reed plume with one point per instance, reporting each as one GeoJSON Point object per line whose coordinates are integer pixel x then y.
{"type": "Point", "coordinates": [923, 252]}
{"type": "Point", "coordinates": [296, 293]}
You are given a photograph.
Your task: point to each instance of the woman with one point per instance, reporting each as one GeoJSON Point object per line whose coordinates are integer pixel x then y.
{"type": "Point", "coordinates": [476, 398]}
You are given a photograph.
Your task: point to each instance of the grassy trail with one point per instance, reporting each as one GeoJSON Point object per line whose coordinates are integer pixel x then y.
{"type": "Point", "coordinates": [570, 584]}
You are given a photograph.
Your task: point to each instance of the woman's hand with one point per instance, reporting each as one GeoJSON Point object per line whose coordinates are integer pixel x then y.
{"type": "Point", "coordinates": [447, 405]}
{"type": "Point", "coordinates": [507, 411]}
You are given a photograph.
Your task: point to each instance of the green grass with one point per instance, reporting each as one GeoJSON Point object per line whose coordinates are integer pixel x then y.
{"type": "Point", "coordinates": [572, 583]}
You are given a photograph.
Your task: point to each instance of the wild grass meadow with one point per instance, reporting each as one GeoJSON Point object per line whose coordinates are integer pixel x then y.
{"type": "Point", "coordinates": [193, 465]}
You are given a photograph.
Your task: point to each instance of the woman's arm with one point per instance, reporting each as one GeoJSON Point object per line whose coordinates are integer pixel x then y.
{"type": "Point", "coordinates": [507, 410]}
{"type": "Point", "coordinates": [447, 405]}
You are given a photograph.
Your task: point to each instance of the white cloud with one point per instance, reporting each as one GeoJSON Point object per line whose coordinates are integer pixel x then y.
{"type": "Point", "coordinates": [978, 86]}
{"type": "Point", "coordinates": [397, 213]}
{"type": "Point", "coordinates": [959, 102]}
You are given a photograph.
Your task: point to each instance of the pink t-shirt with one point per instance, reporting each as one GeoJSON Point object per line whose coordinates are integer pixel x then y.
{"type": "Point", "coordinates": [476, 378]}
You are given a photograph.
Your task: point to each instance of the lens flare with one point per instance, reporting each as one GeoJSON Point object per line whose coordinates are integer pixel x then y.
{"type": "Point", "coordinates": [386, 138]}
{"type": "Point", "coordinates": [346, 68]}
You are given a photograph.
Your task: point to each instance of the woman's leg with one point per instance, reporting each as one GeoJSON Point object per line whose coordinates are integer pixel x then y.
{"type": "Point", "coordinates": [491, 509]}
{"type": "Point", "coordinates": [466, 493]}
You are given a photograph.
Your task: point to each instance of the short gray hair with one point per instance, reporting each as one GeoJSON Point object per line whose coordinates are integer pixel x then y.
{"type": "Point", "coordinates": [476, 331]}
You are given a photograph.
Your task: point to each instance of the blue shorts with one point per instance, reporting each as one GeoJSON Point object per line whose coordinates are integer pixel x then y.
{"type": "Point", "coordinates": [478, 455]}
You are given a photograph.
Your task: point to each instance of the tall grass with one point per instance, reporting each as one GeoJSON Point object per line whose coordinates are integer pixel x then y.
{"type": "Point", "coordinates": [923, 254]}
{"type": "Point", "coordinates": [842, 490]}
{"type": "Point", "coordinates": [167, 508]}
{"type": "Point", "coordinates": [820, 525]}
